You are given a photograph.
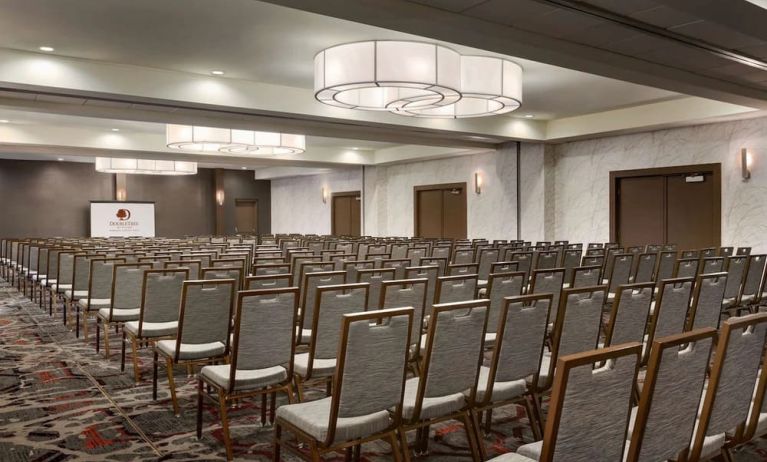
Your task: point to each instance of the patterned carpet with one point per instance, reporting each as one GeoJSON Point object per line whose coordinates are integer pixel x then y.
{"type": "Point", "coordinates": [60, 401]}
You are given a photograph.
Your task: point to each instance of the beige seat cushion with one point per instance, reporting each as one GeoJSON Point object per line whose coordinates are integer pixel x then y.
{"type": "Point", "coordinates": [249, 379]}
{"type": "Point", "coordinates": [431, 407]}
{"type": "Point", "coordinates": [120, 315]}
{"type": "Point", "coordinates": [511, 457]}
{"type": "Point", "coordinates": [320, 367]}
{"type": "Point", "coordinates": [191, 351]}
{"type": "Point", "coordinates": [313, 417]}
{"type": "Point", "coordinates": [501, 390]}
{"type": "Point", "coordinates": [94, 303]}
{"type": "Point", "coordinates": [153, 329]}
{"type": "Point", "coordinates": [75, 295]}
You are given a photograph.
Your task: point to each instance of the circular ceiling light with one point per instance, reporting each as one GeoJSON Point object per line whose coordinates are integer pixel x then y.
{"type": "Point", "coordinates": [210, 139]}
{"type": "Point", "coordinates": [489, 86]}
{"type": "Point", "coordinates": [385, 75]}
{"type": "Point", "coordinates": [200, 139]}
{"type": "Point", "coordinates": [268, 143]}
{"type": "Point", "coordinates": [145, 166]}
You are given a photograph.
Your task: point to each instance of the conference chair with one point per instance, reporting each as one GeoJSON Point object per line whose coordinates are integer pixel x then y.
{"type": "Point", "coordinates": [665, 268]}
{"type": "Point", "coordinates": [585, 276]}
{"type": "Point", "coordinates": [500, 286]}
{"type": "Point", "coordinates": [268, 282]}
{"type": "Point", "coordinates": [262, 353]}
{"type": "Point", "coordinates": [511, 376]}
{"type": "Point", "coordinates": [727, 400]}
{"type": "Point", "coordinates": [669, 313]}
{"type": "Point", "coordinates": [330, 305]}
{"type": "Point", "coordinates": [589, 408]}
{"type": "Point", "coordinates": [548, 281]}
{"type": "Point", "coordinates": [487, 257]}
{"type": "Point", "coordinates": [706, 308]}
{"type": "Point", "coordinates": [447, 385]}
{"type": "Point", "coordinates": [204, 322]}
{"type": "Point", "coordinates": [125, 298]}
{"type": "Point", "coordinates": [663, 421]}
{"type": "Point", "coordinates": [367, 393]}
{"type": "Point", "coordinates": [374, 277]}
{"type": "Point", "coordinates": [571, 259]}
{"type": "Point", "coordinates": [737, 268]}
{"type": "Point", "coordinates": [577, 326]}
{"type": "Point", "coordinates": [308, 296]}
{"type": "Point", "coordinates": [753, 282]}
{"type": "Point", "coordinates": [195, 266]}
{"type": "Point", "coordinates": [408, 293]}
{"type": "Point", "coordinates": [629, 313]}
{"type": "Point", "coordinates": [99, 292]}
{"type": "Point", "coordinates": [712, 265]}
{"type": "Point", "coordinates": [158, 313]}
{"type": "Point", "coordinates": [452, 289]}
{"type": "Point", "coordinates": [233, 272]}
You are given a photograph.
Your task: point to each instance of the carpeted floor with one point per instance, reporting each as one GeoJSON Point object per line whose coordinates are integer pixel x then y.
{"type": "Point", "coordinates": [60, 401]}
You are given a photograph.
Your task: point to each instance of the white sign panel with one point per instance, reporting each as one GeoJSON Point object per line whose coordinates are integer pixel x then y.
{"type": "Point", "coordinates": [122, 219]}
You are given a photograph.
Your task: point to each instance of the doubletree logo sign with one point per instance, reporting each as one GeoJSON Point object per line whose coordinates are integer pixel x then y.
{"type": "Point", "coordinates": [123, 220]}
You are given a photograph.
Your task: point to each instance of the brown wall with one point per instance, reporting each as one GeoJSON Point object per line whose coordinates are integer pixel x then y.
{"type": "Point", "coordinates": [41, 198]}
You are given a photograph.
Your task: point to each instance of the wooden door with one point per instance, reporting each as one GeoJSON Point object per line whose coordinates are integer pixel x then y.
{"type": "Point", "coordinates": [346, 214]}
{"type": "Point", "coordinates": [672, 205]}
{"type": "Point", "coordinates": [440, 211]}
{"type": "Point", "coordinates": [246, 216]}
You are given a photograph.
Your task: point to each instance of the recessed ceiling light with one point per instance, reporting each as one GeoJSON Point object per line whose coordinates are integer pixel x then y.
{"type": "Point", "coordinates": [4, 121]}
{"type": "Point", "coordinates": [47, 49]}
{"type": "Point", "coordinates": [60, 159]}
{"type": "Point", "coordinates": [115, 129]}
{"type": "Point", "coordinates": [244, 168]}
{"type": "Point", "coordinates": [217, 72]}
{"type": "Point", "coordinates": [355, 148]}
{"type": "Point", "coordinates": [529, 116]}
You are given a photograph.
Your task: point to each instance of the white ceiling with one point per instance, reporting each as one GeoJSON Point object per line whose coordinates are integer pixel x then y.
{"type": "Point", "coordinates": [261, 42]}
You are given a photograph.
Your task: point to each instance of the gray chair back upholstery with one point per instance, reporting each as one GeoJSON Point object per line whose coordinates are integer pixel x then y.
{"type": "Point", "coordinates": [707, 300]}
{"type": "Point", "coordinates": [407, 293]}
{"type": "Point", "coordinates": [454, 348]}
{"type": "Point", "coordinates": [585, 276]}
{"type": "Point", "coordinates": [375, 278]}
{"type": "Point", "coordinates": [500, 286]}
{"type": "Point", "coordinates": [162, 294]}
{"type": "Point", "coordinates": [399, 251]}
{"type": "Point", "coordinates": [524, 262]}
{"type": "Point", "coordinates": [194, 266]}
{"type": "Point", "coordinates": [371, 374]}
{"type": "Point", "coordinates": [486, 258]}
{"type": "Point", "coordinates": [430, 273]}
{"type": "Point", "coordinates": [666, 262]}
{"type": "Point", "coordinates": [224, 273]}
{"type": "Point", "coordinates": [549, 281]}
{"type": "Point", "coordinates": [686, 268]}
{"type": "Point", "coordinates": [598, 400]}
{"type": "Point", "coordinates": [264, 329]}
{"type": "Point", "coordinates": [126, 290]}
{"type": "Point", "coordinates": [398, 265]}
{"type": "Point", "coordinates": [309, 295]}
{"type": "Point", "coordinates": [736, 271]}
{"type": "Point", "coordinates": [102, 273]}
{"type": "Point", "coordinates": [333, 302]}
{"type": "Point", "coordinates": [463, 256]}
{"type": "Point", "coordinates": [731, 385]}
{"type": "Point", "coordinates": [522, 321]}
{"type": "Point", "coordinates": [311, 267]}
{"type": "Point", "coordinates": [579, 323]}
{"type": "Point", "coordinates": [415, 255]}
{"type": "Point", "coordinates": [206, 311]}
{"type": "Point", "coordinates": [629, 314]}
{"type": "Point", "coordinates": [571, 259]}
{"type": "Point", "coordinates": [440, 252]}
{"type": "Point", "coordinates": [712, 265]}
{"type": "Point", "coordinates": [547, 259]}
{"type": "Point", "coordinates": [671, 307]}
{"type": "Point", "coordinates": [451, 289]}
{"type": "Point", "coordinates": [81, 272]}
{"type": "Point", "coordinates": [351, 268]}
{"type": "Point", "coordinates": [440, 263]}
{"type": "Point", "coordinates": [621, 271]}
{"type": "Point", "coordinates": [669, 404]}
{"type": "Point", "coordinates": [645, 268]}
{"type": "Point", "coordinates": [752, 284]}
{"type": "Point", "coordinates": [268, 282]}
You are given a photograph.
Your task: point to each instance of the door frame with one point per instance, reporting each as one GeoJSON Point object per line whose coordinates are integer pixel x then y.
{"type": "Point", "coordinates": [245, 200]}
{"type": "Point", "coordinates": [431, 187]}
{"type": "Point", "coordinates": [333, 208]}
{"type": "Point", "coordinates": [716, 175]}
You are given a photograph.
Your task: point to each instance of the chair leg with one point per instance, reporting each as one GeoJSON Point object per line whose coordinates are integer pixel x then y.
{"type": "Point", "coordinates": [314, 451]}
{"type": "Point", "coordinates": [478, 435]}
{"type": "Point", "coordinates": [77, 321]}
{"type": "Point", "coordinates": [534, 400]}
{"type": "Point", "coordinates": [263, 409]}
{"type": "Point", "coordinates": [471, 436]}
{"type": "Point", "coordinates": [224, 424]}
{"type": "Point", "coordinates": [85, 322]}
{"type": "Point", "coordinates": [98, 340]}
{"type": "Point", "coordinates": [154, 376]}
{"type": "Point", "coordinates": [299, 388]}
{"type": "Point", "coordinates": [172, 385]}
{"type": "Point", "coordinates": [272, 406]}
{"type": "Point", "coordinates": [136, 369]}
{"type": "Point", "coordinates": [532, 419]}
{"type": "Point", "coordinates": [199, 408]}
{"type": "Point", "coordinates": [106, 337]}
{"type": "Point", "coordinates": [489, 421]}
{"type": "Point", "coordinates": [726, 455]}
{"type": "Point", "coordinates": [122, 354]}
{"type": "Point", "coordinates": [277, 436]}
{"type": "Point", "coordinates": [403, 443]}
{"type": "Point", "coordinates": [290, 393]}
{"type": "Point", "coordinates": [357, 451]}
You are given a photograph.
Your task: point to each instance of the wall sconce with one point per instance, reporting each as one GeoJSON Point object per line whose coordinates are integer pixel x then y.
{"type": "Point", "coordinates": [745, 164]}
{"type": "Point", "coordinates": [121, 195]}
{"type": "Point", "coordinates": [220, 197]}
{"type": "Point", "coordinates": [324, 195]}
{"type": "Point", "coordinates": [477, 183]}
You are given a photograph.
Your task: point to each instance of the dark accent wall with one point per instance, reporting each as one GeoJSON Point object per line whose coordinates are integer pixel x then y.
{"type": "Point", "coordinates": [43, 199]}
{"type": "Point", "coordinates": [184, 204]}
{"type": "Point", "coordinates": [240, 184]}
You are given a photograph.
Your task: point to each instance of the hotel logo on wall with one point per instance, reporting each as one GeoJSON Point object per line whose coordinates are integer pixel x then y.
{"type": "Point", "coordinates": [122, 219]}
